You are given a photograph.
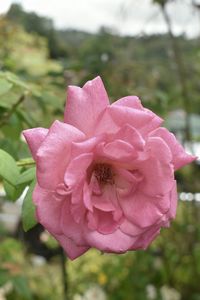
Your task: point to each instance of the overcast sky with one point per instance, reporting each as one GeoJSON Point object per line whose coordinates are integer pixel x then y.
{"type": "Point", "coordinates": [125, 16]}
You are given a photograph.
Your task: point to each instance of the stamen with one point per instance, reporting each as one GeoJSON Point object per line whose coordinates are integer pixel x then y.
{"type": "Point", "coordinates": [104, 173]}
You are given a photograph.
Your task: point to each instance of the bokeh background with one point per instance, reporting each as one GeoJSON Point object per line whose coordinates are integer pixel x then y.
{"type": "Point", "coordinates": [149, 48]}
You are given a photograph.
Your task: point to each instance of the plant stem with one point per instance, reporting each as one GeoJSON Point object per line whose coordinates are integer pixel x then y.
{"type": "Point", "coordinates": [64, 275]}
{"type": "Point", "coordinates": [8, 114]}
{"type": "Point", "coordinates": [25, 162]}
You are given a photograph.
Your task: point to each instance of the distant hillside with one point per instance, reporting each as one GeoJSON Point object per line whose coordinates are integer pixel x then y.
{"type": "Point", "coordinates": [129, 65]}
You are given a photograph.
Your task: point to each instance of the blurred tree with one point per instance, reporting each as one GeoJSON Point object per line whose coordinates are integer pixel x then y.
{"type": "Point", "coordinates": [181, 71]}
{"type": "Point", "coordinates": [40, 25]}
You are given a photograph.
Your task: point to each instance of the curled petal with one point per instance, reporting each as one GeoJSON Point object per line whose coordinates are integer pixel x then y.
{"type": "Point", "coordinates": [131, 229]}
{"type": "Point", "coordinates": [117, 241]}
{"type": "Point", "coordinates": [145, 239]}
{"type": "Point", "coordinates": [117, 150]}
{"type": "Point", "coordinates": [129, 134]}
{"type": "Point", "coordinates": [157, 170]}
{"type": "Point", "coordinates": [72, 250]}
{"type": "Point", "coordinates": [54, 154]}
{"type": "Point", "coordinates": [142, 210]}
{"type": "Point", "coordinates": [130, 101]}
{"type": "Point", "coordinates": [180, 157]}
{"type": "Point", "coordinates": [34, 138]}
{"type": "Point", "coordinates": [86, 146]}
{"type": "Point", "coordinates": [76, 170]}
{"type": "Point", "coordinates": [156, 121]}
{"type": "Point", "coordinates": [116, 116]}
{"type": "Point", "coordinates": [102, 221]}
{"type": "Point", "coordinates": [85, 105]}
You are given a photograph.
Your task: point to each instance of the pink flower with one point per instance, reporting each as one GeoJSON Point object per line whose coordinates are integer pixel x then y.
{"type": "Point", "coordinates": [105, 177]}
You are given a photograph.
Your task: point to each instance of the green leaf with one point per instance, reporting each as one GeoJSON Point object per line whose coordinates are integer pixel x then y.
{"type": "Point", "coordinates": [26, 118]}
{"type": "Point", "coordinates": [26, 176]}
{"type": "Point", "coordinates": [16, 80]}
{"type": "Point", "coordinates": [28, 209]}
{"type": "Point", "coordinates": [13, 128]}
{"type": "Point", "coordinates": [8, 168]}
{"type": "Point", "coordinates": [5, 86]}
{"type": "Point", "coordinates": [13, 192]}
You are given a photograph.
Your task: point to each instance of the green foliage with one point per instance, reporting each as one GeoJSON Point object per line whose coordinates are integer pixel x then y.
{"type": "Point", "coordinates": [27, 176]}
{"type": "Point", "coordinates": [5, 86]}
{"type": "Point", "coordinates": [32, 94]}
{"type": "Point", "coordinates": [8, 168]}
{"type": "Point", "coordinates": [28, 209]}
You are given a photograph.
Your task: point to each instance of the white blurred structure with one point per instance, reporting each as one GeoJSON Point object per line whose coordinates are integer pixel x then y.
{"type": "Point", "coordinates": [95, 292]}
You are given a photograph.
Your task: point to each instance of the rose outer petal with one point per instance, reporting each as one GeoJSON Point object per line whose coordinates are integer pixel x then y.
{"type": "Point", "coordinates": [85, 105]}
{"type": "Point", "coordinates": [130, 101]}
{"type": "Point", "coordinates": [157, 170]}
{"type": "Point", "coordinates": [180, 157]}
{"type": "Point", "coordinates": [72, 250]}
{"type": "Point", "coordinates": [54, 154]}
{"type": "Point", "coordinates": [34, 138]}
{"type": "Point", "coordinates": [69, 227]}
{"type": "Point", "coordinates": [142, 210]}
{"type": "Point", "coordinates": [115, 116]}
{"type": "Point", "coordinates": [117, 241]}
{"type": "Point", "coordinates": [48, 210]}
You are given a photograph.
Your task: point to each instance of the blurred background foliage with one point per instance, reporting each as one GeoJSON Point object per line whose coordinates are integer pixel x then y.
{"type": "Point", "coordinates": [37, 62]}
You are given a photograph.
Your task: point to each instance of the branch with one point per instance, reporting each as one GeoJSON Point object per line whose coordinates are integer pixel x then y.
{"type": "Point", "coordinates": [8, 114]}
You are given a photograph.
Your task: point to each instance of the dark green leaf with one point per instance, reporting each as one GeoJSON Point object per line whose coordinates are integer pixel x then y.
{"type": "Point", "coordinates": [20, 284]}
{"type": "Point", "coordinates": [28, 209]}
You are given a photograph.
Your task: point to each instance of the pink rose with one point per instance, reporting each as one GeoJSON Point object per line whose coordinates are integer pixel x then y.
{"type": "Point", "coordinates": [106, 175]}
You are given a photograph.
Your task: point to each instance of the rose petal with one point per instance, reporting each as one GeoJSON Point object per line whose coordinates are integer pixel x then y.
{"type": "Point", "coordinates": [180, 157]}
{"type": "Point", "coordinates": [131, 229]}
{"type": "Point", "coordinates": [132, 136]}
{"type": "Point", "coordinates": [117, 150]}
{"type": "Point", "coordinates": [86, 146]}
{"type": "Point", "coordinates": [134, 117]}
{"type": "Point", "coordinates": [48, 210]}
{"type": "Point", "coordinates": [156, 121]}
{"type": "Point", "coordinates": [87, 192]}
{"type": "Point", "coordinates": [142, 210]}
{"type": "Point", "coordinates": [157, 170]}
{"type": "Point", "coordinates": [145, 239]}
{"type": "Point", "coordinates": [69, 227]}
{"type": "Point", "coordinates": [102, 221]}
{"type": "Point", "coordinates": [76, 170]}
{"type": "Point", "coordinates": [116, 242]}
{"type": "Point", "coordinates": [84, 106]}
{"type": "Point", "coordinates": [54, 154]}
{"type": "Point", "coordinates": [34, 138]}
{"type": "Point", "coordinates": [72, 250]}
{"type": "Point", "coordinates": [130, 101]}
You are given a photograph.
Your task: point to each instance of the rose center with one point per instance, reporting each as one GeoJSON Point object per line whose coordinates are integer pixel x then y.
{"type": "Point", "coordinates": [104, 173]}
